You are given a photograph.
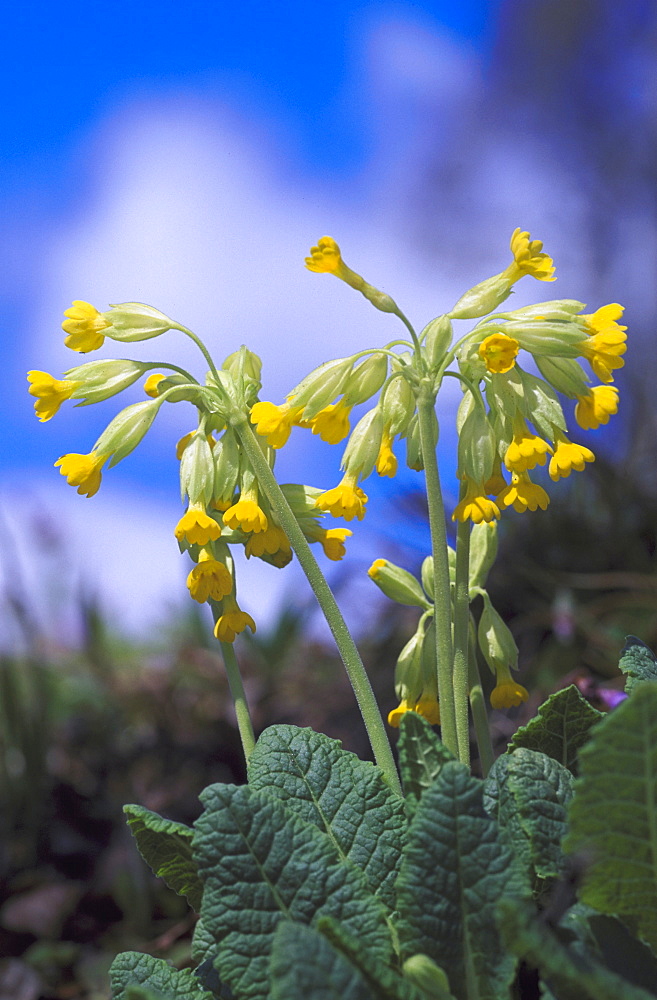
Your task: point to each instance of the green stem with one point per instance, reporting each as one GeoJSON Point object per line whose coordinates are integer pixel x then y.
{"type": "Point", "coordinates": [350, 656]}
{"type": "Point", "coordinates": [480, 715]}
{"type": "Point", "coordinates": [443, 614]}
{"type": "Point", "coordinates": [202, 348]}
{"type": "Point", "coordinates": [244, 724]}
{"type": "Point", "coordinates": [461, 628]}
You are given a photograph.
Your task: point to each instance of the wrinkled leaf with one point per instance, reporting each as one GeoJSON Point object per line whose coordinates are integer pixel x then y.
{"type": "Point", "coordinates": [456, 868]}
{"type": "Point", "coordinates": [131, 972]}
{"type": "Point", "coordinates": [563, 725]}
{"type": "Point", "coordinates": [304, 965]}
{"type": "Point", "coordinates": [421, 757]}
{"type": "Point", "coordinates": [343, 796]}
{"type": "Point", "coordinates": [637, 661]}
{"type": "Point", "coordinates": [166, 847]}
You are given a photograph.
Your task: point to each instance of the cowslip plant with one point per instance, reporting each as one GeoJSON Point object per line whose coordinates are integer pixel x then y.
{"type": "Point", "coordinates": [325, 874]}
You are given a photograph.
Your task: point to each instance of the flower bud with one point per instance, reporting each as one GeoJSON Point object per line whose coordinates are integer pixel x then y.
{"type": "Point", "coordinates": [483, 298]}
{"type": "Point", "coordinates": [226, 457]}
{"type": "Point", "coordinates": [541, 405]}
{"type": "Point", "coordinates": [565, 374]}
{"type": "Point", "coordinates": [477, 445]}
{"type": "Point", "coordinates": [363, 446]}
{"type": "Point", "coordinates": [427, 976]}
{"type": "Point", "coordinates": [483, 550]}
{"type": "Point", "coordinates": [495, 640]}
{"type": "Point", "coordinates": [556, 309]}
{"type": "Point", "coordinates": [541, 337]}
{"type": "Point", "coordinates": [366, 379]}
{"type": "Point", "coordinates": [397, 405]}
{"type": "Point", "coordinates": [102, 379]}
{"type": "Point", "coordinates": [380, 300]}
{"type": "Point", "coordinates": [408, 670]}
{"type": "Point", "coordinates": [321, 386]}
{"type": "Point", "coordinates": [186, 391]}
{"type": "Point", "coordinates": [426, 575]}
{"type": "Point", "coordinates": [436, 336]}
{"type": "Point", "coordinates": [132, 321]}
{"type": "Point", "coordinates": [126, 430]}
{"type": "Point", "coordinates": [197, 470]}
{"type": "Point", "coordinates": [245, 367]}
{"type": "Point", "coordinates": [414, 458]}
{"type": "Point", "coordinates": [398, 584]}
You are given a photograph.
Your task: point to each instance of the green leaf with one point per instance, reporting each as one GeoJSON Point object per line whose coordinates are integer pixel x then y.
{"type": "Point", "coordinates": [422, 756]}
{"type": "Point", "coordinates": [343, 796]}
{"type": "Point", "coordinates": [562, 726]}
{"type": "Point", "coordinates": [613, 816]}
{"type": "Point", "coordinates": [570, 974]}
{"type": "Point", "coordinates": [166, 847]}
{"type": "Point", "coordinates": [304, 965]}
{"type": "Point", "coordinates": [456, 867]}
{"type": "Point", "coordinates": [637, 661]}
{"type": "Point", "coordinates": [260, 864]}
{"type": "Point", "coordinates": [608, 941]}
{"type": "Point", "coordinates": [137, 975]}
{"type": "Point", "coordinates": [528, 793]}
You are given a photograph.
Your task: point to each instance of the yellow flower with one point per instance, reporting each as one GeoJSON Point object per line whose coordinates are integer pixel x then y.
{"type": "Point", "coordinates": [497, 482]}
{"type": "Point", "coordinates": [50, 393]}
{"type": "Point", "coordinates": [274, 422]}
{"type": "Point", "coordinates": [526, 449]}
{"type": "Point", "coordinates": [475, 505]}
{"type": "Point", "coordinates": [507, 693]}
{"type": "Point", "coordinates": [209, 579]}
{"type": "Point", "coordinates": [346, 500]}
{"type": "Point", "coordinates": [605, 319]}
{"type": "Point", "coordinates": [232, 622]}
{"type": "Point", "coordinates": [332, 540]}
{"type": "Point", "coordinates": [528, 259]}
{"type": "Point", "coordinates": [426, 707]}
{"type": "Point", "coordinates": [595, 408]}
{"type": "Point", "coordinates": [197, 527]}
{"type": "Point", "coordinates": [83, 471]}
{"type": "Point", "coordinates": [332, 423]}
{"type": "Point", "coordinates": [568, 456]}
{"type": "Point", "coordinates": [246, 515]}
{"type": "Point", "coordinates": [326, 258]}
{"type": "Point", "coordinates": [523, 494]}
{"type": "Point", "coordinates": [270, 541]}
{"type": "Point", "coordinates": [151, 384]}
{"type": "Point", "coordinates": [83, 326]}
{"type": "Point", "coordinates": [499, 352]}
{"type": "Point", "coordinates": [386, 462]}
{"type": "Point", "coordinates": [603, 352]}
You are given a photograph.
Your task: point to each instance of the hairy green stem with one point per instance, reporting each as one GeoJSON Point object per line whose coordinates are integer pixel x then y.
{"type": "Point", "coordinates": [461, 629]}
{"type": "Point", "coordinates": [244, 724]}
{"type": "Point", "coordinates": [202, 348]}
{"type": "Point", "coordinates": [443, 612]}
{"type": "Point", "coordinates": [347, 648]}
{"type": "Point", "coordinates": [479, 714]}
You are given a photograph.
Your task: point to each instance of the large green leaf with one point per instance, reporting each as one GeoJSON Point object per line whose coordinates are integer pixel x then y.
{"type": "Point", "coordinates": [137, 975]}
{"type": "Point", "coordinates": [422, 755]}
{"type": "Point", "coordinates": [340, 794]}
{"type": "Point", "coordinates": [608, 941]}
{"type": "Point", "coordinates": [260, 864]}
{"type": "Point", "coordinates": [613, 816]}
{"type": "Point", "coordinates": [561, 727]}
{"type": "Point", "coordinates": [456, 868]}
{"type": "Point", "coordinates": [571, 975]}
{"type": "Point", "coordinates": [528, 793]}
{"type": "Point", "coordinates": [166, 846]}
{"type": "Point", "coordinates": [637, 661]}
{"type": "Point", "coordinates": [304, 965]}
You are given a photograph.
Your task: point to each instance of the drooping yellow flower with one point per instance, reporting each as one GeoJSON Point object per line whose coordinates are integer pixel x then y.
{"type": "Point", "coordinates": [209, 579]}
{"type": "Point", "coordinates": [197, 527]}
{"type": "Point", "coordinates": [595, 408]}
{"type": "Point", "coordinates": [475, 505]}
{"type": "Point", "coordinates": [603, 352]}
{"type": "Point", "coordinates": [526, 450]}
{"type": "Point", "coordinates": [50, 393]}
{"type": "Point", "coordinates": [528, 258]}
{"type": "Point", "coordinates": [151, 384]}
{"type": "Point", "coordinates": [84, 326]}
{"type": "Point", "coordinates": [246, 515]}
{"type": "Point", "coordinates": [497, 482]}
{"type": "Point", "coordinates": [326, 258]}
{"type": "Point", "coordinates": [83, 471]}
{"type": "Point", "coordinates": [522, 494]}
{"type": "Point", "coordinates": [568, 456]}
{"type": "Point", "coordinates": [395, 716]}
{"type": "Point", "coordinates": [274, 422]}
{"type": "Point", "coordinates": [232, 621]}
{"type": "Point", "coordinates": [270, 541]}
{"type": "Point", "coordinates": [605, 319]}
{"type": "Point", "coordinates": [386, 462]}
{"type": "Point", "coordinates": [332, 423]}
{"type": "Point", "coordinates": [426, 707]}
{"type": "Point", "coordinates": [507, 693]}
{"type": "Point", "coordinates": [346, 500]}
{"type": "Point", "coordinates": [499, 352]}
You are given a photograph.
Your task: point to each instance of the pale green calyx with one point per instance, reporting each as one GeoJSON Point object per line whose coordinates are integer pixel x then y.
{"type": "Point", "coordinates": [365, 379]}
{"type": "Point", "coordinates": [364, 443]}
{"type": "Point", "coordinates": [104, 378]}
{"type": "Point", "coordinates": [127, 429]}
{"type": "Point", "coordinates": [398, 584]}
{"type": "Point", "coordinates": [132, 321]}
{"type": "Point", "coordinates": [436, 337]}
{"type": "Point", "coordinates": [197, 469]}
{"type": "Point", "coordinates": [495, 640]}
{"type": "Point", "coordinates": [427, 976]}
{"type": "Point", "coordinates": [226, 458]}
{"type": "Point", "coordinates": [483, 551]}
{"type": "Point", "coordinates": [483, 298]}
{"type": "Point", "coordinates": [321, 386]}
{"type": "Point", "coordinates": [565, 374]}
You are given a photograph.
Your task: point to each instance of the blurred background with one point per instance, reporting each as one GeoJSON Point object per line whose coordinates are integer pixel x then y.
{"type": "Point", "coordinates": [188, 157]}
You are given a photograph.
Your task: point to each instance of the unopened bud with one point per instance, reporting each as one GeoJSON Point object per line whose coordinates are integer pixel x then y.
{"type": "Point", "coordinates": [102, 379]}
{"type": "Point", "coordinates": [397, 405]}
{"type": "Point", "coordinates": [321, 386]}
{"type": "Point", "coordinates": [398, 584]}
{"type": "Point", "coordinates": [366, 379]}
{"type": "Point", "coordinates": [427, 976]}
{"type": "Point", "coordinates": [483, 298]}
{"type": "Point", "coordinates": [126, 430]}
{"type": "Point", "coordinates": [132, 321]}
{"type": "Point", "coordinates": [437, 337]}
{"type": "Point", "coordinates": [483, 550]}
{"type": "Point", "coordinates": [495, 640]}
{"type": "Point", "coordinates": [363, 446]}
{"type": "Point", "coordinates": [197, 470]}
{"type": "Point", "coordinates": [565, 374]}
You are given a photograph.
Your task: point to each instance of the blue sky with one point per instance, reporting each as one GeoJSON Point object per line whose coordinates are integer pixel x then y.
{"type": "Point", "coordinates": [187, 156]}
